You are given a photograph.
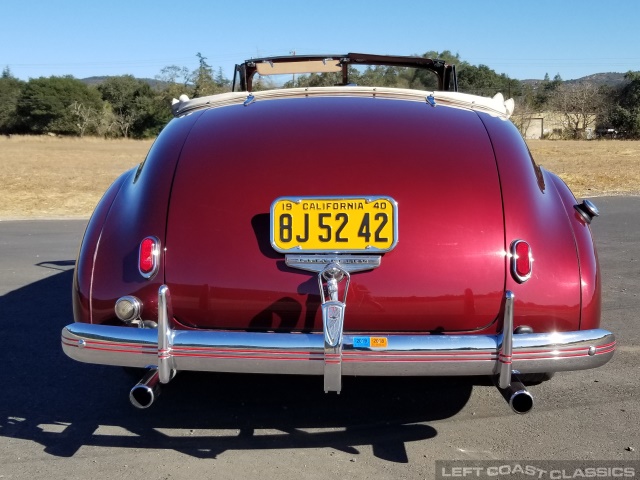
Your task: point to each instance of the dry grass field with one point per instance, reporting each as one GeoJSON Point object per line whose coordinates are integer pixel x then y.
{"type": "Point", "coordinates": [592, 168]}
{"type": "Point", "coordinates": [48, 177]}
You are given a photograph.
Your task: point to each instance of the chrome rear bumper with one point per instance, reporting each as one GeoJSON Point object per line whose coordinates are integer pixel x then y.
{"type": "Point", "coordinates": [304, 353]}
{"type": "Point", "coordinates": [298, 353]}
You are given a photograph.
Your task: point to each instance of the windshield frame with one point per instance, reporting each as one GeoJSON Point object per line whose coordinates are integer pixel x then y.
{"type": "Point", "coordinates": [246, 71]}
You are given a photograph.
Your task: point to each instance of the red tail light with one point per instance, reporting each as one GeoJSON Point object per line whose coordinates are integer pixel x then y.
{"type": "Point", "coordinates": [148, 259]}
{"type": "Point", "coordinates": [521, 260]}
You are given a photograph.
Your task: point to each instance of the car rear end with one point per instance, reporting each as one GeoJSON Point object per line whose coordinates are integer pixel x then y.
{"type": "Point", "coordinates": [337, 234]}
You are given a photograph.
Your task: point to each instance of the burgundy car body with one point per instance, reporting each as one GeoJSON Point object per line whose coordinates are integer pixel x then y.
{"type": "Point", "coordinates": [447, 299]}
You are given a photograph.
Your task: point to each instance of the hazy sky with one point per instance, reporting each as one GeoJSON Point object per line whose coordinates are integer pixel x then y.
{"type": "Point", "coordinates": [524, 39]}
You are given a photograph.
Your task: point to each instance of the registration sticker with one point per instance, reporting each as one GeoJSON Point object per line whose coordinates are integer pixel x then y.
{"type": "Point", "coordinates": [370, 342]}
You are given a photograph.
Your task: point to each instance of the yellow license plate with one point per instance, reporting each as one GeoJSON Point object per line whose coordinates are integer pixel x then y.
{"type": "Point", "coordinates": [328, 224]}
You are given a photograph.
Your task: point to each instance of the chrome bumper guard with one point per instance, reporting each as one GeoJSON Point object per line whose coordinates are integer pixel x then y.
{"type": "Point", "coordinates": [306, 353]}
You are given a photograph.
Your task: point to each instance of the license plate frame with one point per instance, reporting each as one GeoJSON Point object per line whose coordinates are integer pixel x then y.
{"type": "Point", "coordinates": [323, 224]}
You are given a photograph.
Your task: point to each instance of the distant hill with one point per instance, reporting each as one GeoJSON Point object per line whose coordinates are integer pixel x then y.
{"type": "Point", "coordinates": [610, 79]}
{"type": "Point", "coordinates": [93, 80]}
{"type": "Point", "coordinates": [98, 80]}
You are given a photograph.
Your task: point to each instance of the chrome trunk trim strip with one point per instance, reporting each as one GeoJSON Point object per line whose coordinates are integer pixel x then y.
{"type": "Point", "coordinates": [495, 106]}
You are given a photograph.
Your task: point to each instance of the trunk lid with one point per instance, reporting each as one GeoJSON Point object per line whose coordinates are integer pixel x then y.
{"type": "Point", "coordinates": [447, 271]}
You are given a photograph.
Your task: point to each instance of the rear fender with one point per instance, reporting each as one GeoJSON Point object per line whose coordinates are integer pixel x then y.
{"type": "Point", "coordinates": [138, 209]}
{"type": "Point", "coordinates": [86, 254]}
{"type": "Point", "coordinates": [587, 257]}
{"type": "Point", "coordinates": [550, 299]}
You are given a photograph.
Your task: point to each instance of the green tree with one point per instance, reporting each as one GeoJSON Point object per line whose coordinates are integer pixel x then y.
{"type": "Point", "coordinates": [267, 83]}
{"type": "Point", "coordinates": [175, 81]}
{"type": "Point", "coordinates": [203, 82]}
{"type": "Point", "coordinates": [482, 80]}
{"type": "Point", "coordinates": [479, 80]}
{"type": "Point", "coordinates": [544, 91]}
{"type": "Point", "coordinates": [134, 107]}
{"type": "Point", "coordinates": [221, 81]}
{"type": "Point", "coordinates": [307, 80]}
{"type": "Point", "coordinates": [578, 105]}
{"type": "Point", "coordinates": [446, 55]}
{"type": "Point", "coordinates": [378, 75]}
{"type": "Point", "coordinates": [423, 79]}
{"type": "Point", "coordinates": [85, 117]}
{"type": "Point", "coordinates": [46, 105]}
{"type": "Point", "coordinates": [121, 93]}
{"type": "Point", "coordinates": [10, 88]}
{"type": "Point", "coordinates": [625, 115]}
{"type": "Point", "coordinates": [157, 113]}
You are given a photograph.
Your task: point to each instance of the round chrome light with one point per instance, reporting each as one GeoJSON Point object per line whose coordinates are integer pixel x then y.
{"type": "Point", "coordinates": [128, 308]}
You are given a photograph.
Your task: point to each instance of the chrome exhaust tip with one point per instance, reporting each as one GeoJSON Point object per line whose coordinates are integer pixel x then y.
{"type": "Point", "coordinates": [517, 396]}
{"type": "Point", "coordinates": [145, 392]}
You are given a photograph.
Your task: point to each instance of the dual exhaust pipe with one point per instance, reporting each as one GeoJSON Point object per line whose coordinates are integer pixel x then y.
{"type": "Point", "coordinates": [147, 390]}
{"type": "Point", "coordinates": [517, 396]}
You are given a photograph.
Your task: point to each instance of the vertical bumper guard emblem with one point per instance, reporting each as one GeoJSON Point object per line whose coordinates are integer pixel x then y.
{"type": "Point", "coordinates": [333, 323]}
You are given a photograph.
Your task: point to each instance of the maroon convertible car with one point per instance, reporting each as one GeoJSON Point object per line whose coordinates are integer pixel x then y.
{"type": "Point", "coordinates": [340, 230]}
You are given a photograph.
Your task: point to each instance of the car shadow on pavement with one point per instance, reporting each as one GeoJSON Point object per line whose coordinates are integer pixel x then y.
{"type": "Point", "coordinates": [65, 405]}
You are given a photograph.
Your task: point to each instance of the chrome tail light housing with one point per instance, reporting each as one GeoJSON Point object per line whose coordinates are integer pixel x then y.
{"type": "Point", "coordinates": [148, 258]}
{"type": "Point", "coordinates": [521, 261]}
